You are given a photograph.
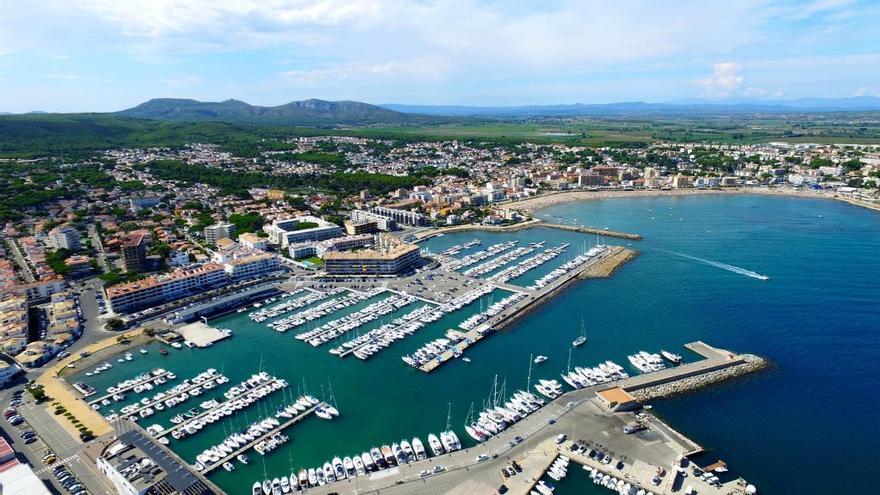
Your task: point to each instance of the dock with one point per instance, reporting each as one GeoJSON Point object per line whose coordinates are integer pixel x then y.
{"type": "Point", "coordinates": [534, 299]}
{"type": "Point", "coordinates": [201, 334]}
{"type": "Point", "coordinates": [282, 426]}
{"type": "Point", "coordinates": [209, 411]}
{"type": "Point", "coordinates": [130, 387]}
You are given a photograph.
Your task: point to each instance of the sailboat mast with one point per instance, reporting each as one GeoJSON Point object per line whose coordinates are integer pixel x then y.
{"type": "Point", "coordinates": [529, 378]}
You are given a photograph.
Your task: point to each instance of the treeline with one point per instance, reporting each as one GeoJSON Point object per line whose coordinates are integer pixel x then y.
{"type": "Point", "coordinates": [231, 182]}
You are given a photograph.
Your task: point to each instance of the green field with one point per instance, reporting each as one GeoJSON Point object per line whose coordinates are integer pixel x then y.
{"type": "Point", "coordinates": [81, 135]}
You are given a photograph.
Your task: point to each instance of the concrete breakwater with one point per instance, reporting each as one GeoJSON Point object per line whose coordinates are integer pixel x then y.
{"type": "Point", "coordinates": [750, 364]}
{"type": "Point", "coordinates": [591, 230]}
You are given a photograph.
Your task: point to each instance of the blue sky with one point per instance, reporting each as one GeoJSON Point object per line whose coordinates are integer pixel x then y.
{"type": "Point", "coordinates": [106, 55]}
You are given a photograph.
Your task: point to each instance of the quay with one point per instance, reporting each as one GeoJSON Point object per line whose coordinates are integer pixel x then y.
{"type": "Point", "coordinates": [534, 299]}
{"type": "Point", "coordinates": [130, 387]}
{"type": "Point", "coordinates": [583, 420]}
{"type": "Point", "coordinates": [218, 406]}
{"type": "Point", "coordinates": [282, 426]}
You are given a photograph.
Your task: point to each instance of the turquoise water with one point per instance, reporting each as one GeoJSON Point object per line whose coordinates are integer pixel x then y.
{"type": "Point", "coordinates": [815, 318]}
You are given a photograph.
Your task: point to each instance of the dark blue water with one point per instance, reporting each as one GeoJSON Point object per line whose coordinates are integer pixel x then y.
{"type": "Point", "coordinates": [809, 424]}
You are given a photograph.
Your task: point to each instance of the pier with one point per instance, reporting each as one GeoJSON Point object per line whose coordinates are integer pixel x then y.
{"type": "Point", "coordinates": [282, 426]}
{"type": "Point", "coordinates": [130, 387]}
{"type": "Point", "coordinates": [534, 299]}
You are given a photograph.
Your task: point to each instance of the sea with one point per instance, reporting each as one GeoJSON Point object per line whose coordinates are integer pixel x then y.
{"type": "Point", "coordinates": [794, 280]}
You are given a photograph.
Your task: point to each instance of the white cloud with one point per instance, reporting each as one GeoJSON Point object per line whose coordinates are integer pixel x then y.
{"type": "Point", "coordinates": [866, 91]}
{"type": "Point", "coordinates": [77, 77]}
{"type": "Point", "coordinates": [724, 81]}
{"type": "Point", "coordinates": [183, 81]}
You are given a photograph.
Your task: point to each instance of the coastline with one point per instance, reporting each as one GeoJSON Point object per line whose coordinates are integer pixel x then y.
{"type": "Point", "coordinates": [559, 197]}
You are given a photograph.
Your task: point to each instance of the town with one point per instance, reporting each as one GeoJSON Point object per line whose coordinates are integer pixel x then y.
{"type": "Point", "coordinates": [162, 239]}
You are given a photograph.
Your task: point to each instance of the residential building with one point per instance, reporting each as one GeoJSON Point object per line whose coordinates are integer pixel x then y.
{"type": "Point", "coordinates": [64, 237]}
{"type": "Point", "coordinates": [13, 323]}
{"type": "Point", "coordinates": [681, 181]}
{"type": "Point", "coordinates": [141, 202]}
{"type": "Point", "coordinates": [214, 233]}
{"type": "Point", "coordinates": [383, 222]}
{"type": "Point", "coordinates": [353, 227]}
{"type": "Point", "coordinates": [133, 296]}
{"type": "Point", "coordinates": [134, 253]}
{"type": "Point", "coordinates": [308, 249]}
{"type": "Point", "coordinates": [252, 241]}
{"type": "Point", "coordinates": [251, 266]}
{"type": "Point", "coordinates": [404, 217]}
{"type": "Point", "coordinates": [301, 229]}
{"type": "Point", "coordinates": [390, 256]}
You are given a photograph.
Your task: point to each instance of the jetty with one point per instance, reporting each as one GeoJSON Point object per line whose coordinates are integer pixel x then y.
{"type": "Point", "coordinates": [246, 447]}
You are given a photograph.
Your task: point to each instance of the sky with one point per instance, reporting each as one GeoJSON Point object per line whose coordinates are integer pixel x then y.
{"type": "Point", "coordinates": [107, 55]}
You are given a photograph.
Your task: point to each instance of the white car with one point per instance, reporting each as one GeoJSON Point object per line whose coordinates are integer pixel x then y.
{"type": "Point", "coordinates": [481, 458]}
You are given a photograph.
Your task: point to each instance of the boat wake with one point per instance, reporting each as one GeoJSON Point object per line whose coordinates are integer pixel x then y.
{"type": "Point", "coordinates": [723, 266]}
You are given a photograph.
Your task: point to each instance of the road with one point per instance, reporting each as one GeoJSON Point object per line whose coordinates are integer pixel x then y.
{"type": "Point", "coordinates": [98, 246]}
{"type": "Point", "coordinates": [25, 269]}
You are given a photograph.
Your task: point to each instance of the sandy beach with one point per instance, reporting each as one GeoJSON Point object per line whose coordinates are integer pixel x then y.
{"type": "Point", "coordinates": [555, 198]}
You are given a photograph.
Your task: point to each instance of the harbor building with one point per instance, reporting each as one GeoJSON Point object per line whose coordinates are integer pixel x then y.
{"type": "Point", "coordinates": [617, 399]}
{"type": "Point", "coordinates": [390, 256]}
{"type": "Point", "coordinates": [134, 466]}
{"type": "Point", "coordinates": [382, 222]}
{"type": "Point", "coordinates": [253, 242]}
{"type": "Point", "coordinates": [301, 229]}
{"type": "Point", "coordinates": [251, 266]}
{"type": "Point", "coordinates": [404, 217]}
{"type": "Point", "coordinates": [134, 253]}
{"type": "Point", "coordinates": [133, 296]}
{"type": "Point", "coordinates": [214, 233]}
{"type": "Point", "coordinates": [64, 237]}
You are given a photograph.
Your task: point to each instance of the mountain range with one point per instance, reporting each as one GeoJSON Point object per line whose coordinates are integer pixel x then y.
{"type": "Point", "coordinates": [307, 112]}
{"type": "Point", "coordinates": [691, 107]}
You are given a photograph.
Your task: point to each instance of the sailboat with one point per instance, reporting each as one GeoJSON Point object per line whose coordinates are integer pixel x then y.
{"type": "Point", "coordinates": [582, 339]}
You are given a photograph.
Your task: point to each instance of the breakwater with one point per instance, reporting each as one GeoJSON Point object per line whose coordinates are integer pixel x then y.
{"type": "Point", "coordinates": [750, 364]}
